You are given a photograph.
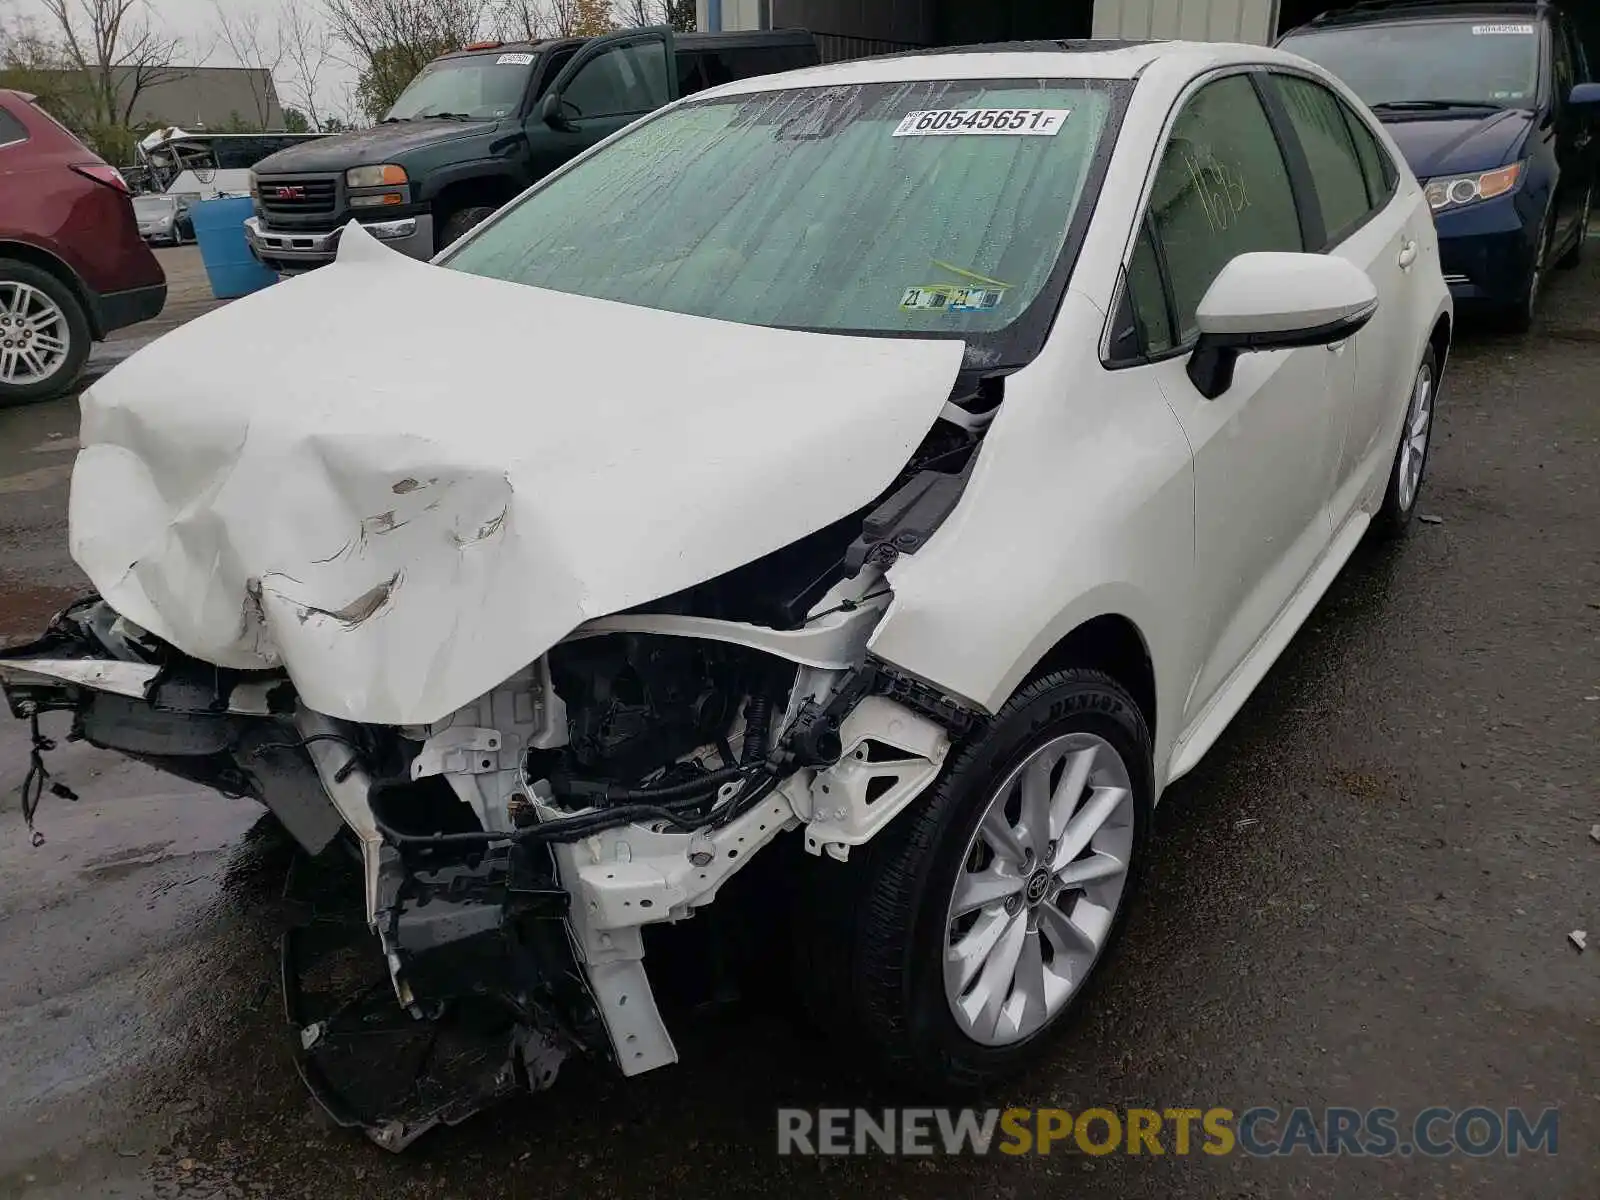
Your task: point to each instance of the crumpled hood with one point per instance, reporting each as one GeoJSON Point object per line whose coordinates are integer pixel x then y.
{"type": "Point", "coordinates": [1458, 144]}
{"type": "Point", "coordinates": [403, 483]}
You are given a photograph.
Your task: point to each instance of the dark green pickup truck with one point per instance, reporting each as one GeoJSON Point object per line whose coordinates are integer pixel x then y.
{"type": "Point", "coordinates": [478, 126]}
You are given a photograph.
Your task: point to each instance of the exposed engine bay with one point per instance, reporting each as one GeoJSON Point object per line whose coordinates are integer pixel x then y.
{"type": "Point", "coordinates": [512, 854]}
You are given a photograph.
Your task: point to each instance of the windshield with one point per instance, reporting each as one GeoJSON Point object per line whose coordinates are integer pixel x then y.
{"type": "Point", "coordinates": [1482, 61]}
{"type": "Point", "coordinates": [483, 87]}
{"type": "Point", "coordinates": [937, 209]}
{"type": "Point", "coordinates": [154, 206]}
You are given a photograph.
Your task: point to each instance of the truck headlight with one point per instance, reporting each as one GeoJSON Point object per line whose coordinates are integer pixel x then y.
{"type": "Point", "coordinates": [381, 176]}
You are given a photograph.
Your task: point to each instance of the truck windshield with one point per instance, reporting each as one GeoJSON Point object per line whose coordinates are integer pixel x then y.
{"type": "Point", "coordinates": [922, 209]}
{"type": "Point", "coordinates": [483, 87]}
{"type": "Point", "coordinates": [1488, 61]}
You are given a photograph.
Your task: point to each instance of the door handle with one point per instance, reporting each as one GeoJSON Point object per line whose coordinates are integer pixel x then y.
{"type": "Point", "coordinates": [1408, 255]}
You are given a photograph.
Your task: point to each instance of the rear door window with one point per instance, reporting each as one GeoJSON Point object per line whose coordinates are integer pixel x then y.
{"type": "Point", "coordinates": [1381, 174]}
{"type": "Point", "coordinates": [1331, 152]}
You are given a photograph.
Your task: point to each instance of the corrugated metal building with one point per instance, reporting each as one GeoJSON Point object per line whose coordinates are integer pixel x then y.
{"type": "Point", "coordinates": [851, 28]}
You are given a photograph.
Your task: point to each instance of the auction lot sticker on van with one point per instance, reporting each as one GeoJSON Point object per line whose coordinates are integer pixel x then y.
{"type": "Point", "coordinates": [1008, 122]}
{"type": "Point", "coordinates": [1490, 30]}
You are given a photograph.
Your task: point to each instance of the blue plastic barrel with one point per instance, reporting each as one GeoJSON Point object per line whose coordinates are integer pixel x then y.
{"type": "Point", "coordinates": [219, 228]}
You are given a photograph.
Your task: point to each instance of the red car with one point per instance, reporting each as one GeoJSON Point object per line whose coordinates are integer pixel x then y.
{"type": "Point", "coordinates": [72, 264]}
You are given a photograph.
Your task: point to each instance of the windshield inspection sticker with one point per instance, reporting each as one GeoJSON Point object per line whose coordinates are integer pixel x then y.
{"type": "Point", "coordinates": [1491, 30]}
{"type": "Point", "coordinates": [1005, 122]}
{"type": "Point", "coordinates": [514, 60]}
{"type": "Point", "coordinates": [951, 297]}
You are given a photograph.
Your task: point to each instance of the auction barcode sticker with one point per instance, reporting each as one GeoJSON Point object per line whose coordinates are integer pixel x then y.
{"type": "Point", "coordinates": [1007, 122]}
{"type": "Point", "coordinates": [1489, 30]}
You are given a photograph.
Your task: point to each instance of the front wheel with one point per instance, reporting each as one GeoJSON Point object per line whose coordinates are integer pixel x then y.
{"type": "Point", "coordinates": [461, 223]}
{"type": "Point", "coordinates": [978, 920]}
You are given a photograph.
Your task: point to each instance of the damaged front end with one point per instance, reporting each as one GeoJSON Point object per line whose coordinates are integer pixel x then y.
{"type": "Point", "coordinates": [513, 853]}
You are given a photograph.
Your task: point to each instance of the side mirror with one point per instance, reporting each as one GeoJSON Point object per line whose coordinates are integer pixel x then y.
{"type": "Point", "coordinates": [1585, 95]}
{"type": "Point", "coordinates": [550, 111]}
{"type": "Point", "coordinates": [1276, 302]}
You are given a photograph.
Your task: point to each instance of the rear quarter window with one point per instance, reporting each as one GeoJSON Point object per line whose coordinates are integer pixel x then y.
{"type": "Point", "coordinates": [12, 130]}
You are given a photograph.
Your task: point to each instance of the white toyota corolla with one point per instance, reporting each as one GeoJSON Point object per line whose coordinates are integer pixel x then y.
{"type": "Point", "coordinates": [914, 462]}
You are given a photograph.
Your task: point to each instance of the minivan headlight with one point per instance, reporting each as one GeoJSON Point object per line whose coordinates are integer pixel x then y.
{"type": "Point", "coordinates": [1454, 191]}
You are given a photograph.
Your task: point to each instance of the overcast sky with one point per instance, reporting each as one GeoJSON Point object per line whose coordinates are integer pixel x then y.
{"type": "Point", "coordinates": [195, 21]}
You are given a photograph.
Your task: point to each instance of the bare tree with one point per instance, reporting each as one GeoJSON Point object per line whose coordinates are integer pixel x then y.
{"type": "Point", "coordinates": [594, 17]}
{"type": "Point", "coordinates": [307, 56]}
{"type": "Point", "coordinates": [30, 62]}
{"type": "Point", "coordinates": [533, 20]}
{"type": "Point", "coordinates": [257, 46]}
{"type": "Point", "coordinates": [638, 12]}
{"type": "Point", "coordinates": [389, 41]}
{"type": "Point", "coordinates": [680, 14]}
{"type": "Point", "coordinates": [117, 50]}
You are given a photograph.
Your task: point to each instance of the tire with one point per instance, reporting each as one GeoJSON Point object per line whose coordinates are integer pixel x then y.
{"type": "Point", "coordinates": [1518, 317]}
{"type": "Point", "coordinates": [460, 223]}
{"type": "Point", "coordinates": [1410, 467]}
{"type": "Point", "coordinates": [1574, 257]}
{"type": "Point", "coordinates": [880, 925]}
{"type": "Point", "coordinates": [19, 282]}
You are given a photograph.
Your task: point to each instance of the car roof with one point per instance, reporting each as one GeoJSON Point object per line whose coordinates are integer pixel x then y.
{"type": "Point", "coordinates": [1376, 12]}
{"type": "Point", "coordinates": [1016, 60]}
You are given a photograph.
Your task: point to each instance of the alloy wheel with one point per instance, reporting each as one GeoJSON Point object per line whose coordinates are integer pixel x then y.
{"type": "Point", "coordinates": [34, 335]}
{"type": "Point", "coordinates": [1414, 439]}
{"type": "Point", "coordinates": [1039, 888]}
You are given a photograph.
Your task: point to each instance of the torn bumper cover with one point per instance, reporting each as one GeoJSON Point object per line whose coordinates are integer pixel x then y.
{"type": "Point", "coordinates": [517, 939]}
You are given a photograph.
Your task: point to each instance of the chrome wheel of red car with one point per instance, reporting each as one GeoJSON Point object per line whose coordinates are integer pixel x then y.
{"type": "Point", "coordinates": [35, 337]}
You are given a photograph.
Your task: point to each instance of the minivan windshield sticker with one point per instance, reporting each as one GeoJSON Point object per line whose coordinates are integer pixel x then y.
{"type": "Point", "coordinates": [1491, 30]}
{"type": "Point", "coordinates": [1005, 122]}
{"type": "Point", "coordinates": [514, 60]}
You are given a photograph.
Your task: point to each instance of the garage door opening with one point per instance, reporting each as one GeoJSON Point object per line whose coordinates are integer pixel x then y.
{"type": "Point", "coordinates": [853, 28]}
{"type": "Point", "coordinates": [962, 23]}
{"type": "Point", "coordinates": [1294, 13]}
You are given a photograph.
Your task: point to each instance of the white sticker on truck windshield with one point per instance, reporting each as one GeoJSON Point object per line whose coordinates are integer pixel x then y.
{"type": "Point", "coordinates": [514, 60]}
{"type": "Point", "coordinates": [1004, 122]}
{"type": "Point", "coordinates": [1491, 30]}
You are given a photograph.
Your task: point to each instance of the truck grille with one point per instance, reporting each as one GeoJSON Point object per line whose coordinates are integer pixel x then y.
{"type": "Point", "coordinates": [298, 197]}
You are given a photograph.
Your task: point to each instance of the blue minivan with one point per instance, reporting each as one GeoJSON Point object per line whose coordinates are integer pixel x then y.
{"type": "Point", "coordinates": [1492, 106]}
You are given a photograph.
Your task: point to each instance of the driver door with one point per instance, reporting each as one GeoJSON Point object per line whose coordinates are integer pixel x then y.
{"type": "Point", "coordinates": [610, 83]}
{"type": "Point", "coordinates": [1265, 451]}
